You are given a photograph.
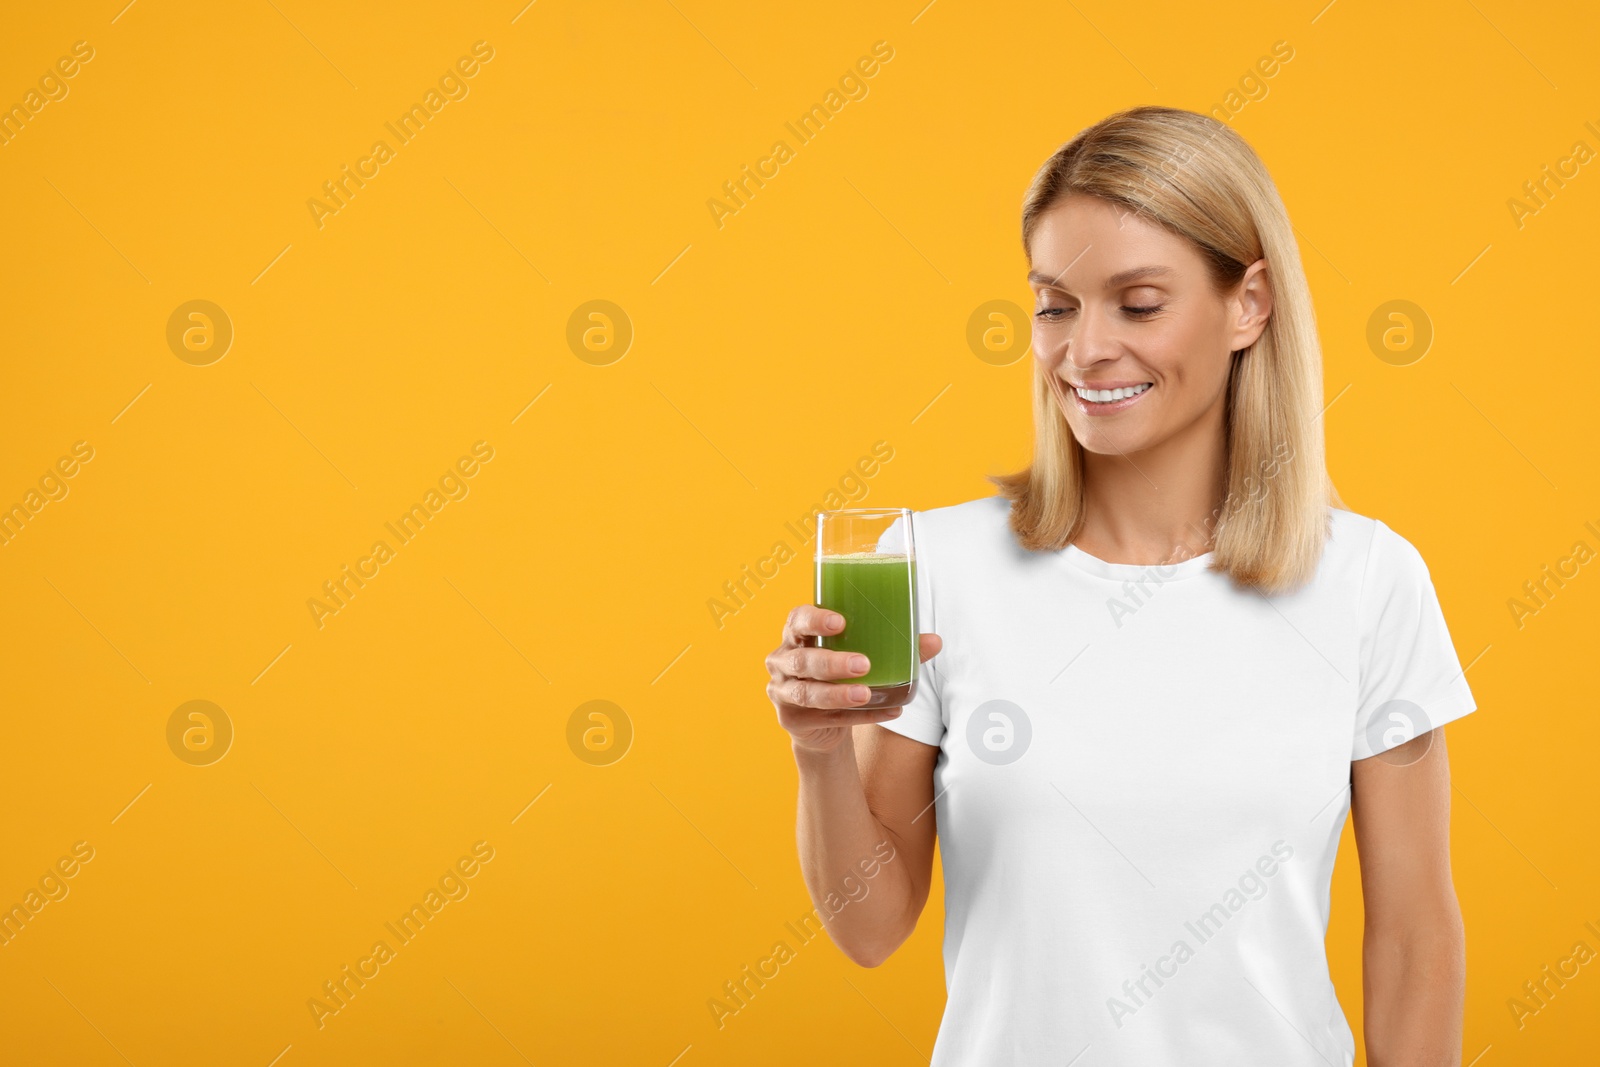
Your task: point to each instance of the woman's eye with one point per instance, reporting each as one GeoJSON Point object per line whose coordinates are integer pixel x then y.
{"type": "Point", "coordinates": [1138, 312]}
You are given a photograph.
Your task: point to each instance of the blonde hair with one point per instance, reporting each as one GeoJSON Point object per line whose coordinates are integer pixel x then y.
{"type": "Point", "coordinates": [1198, 179]}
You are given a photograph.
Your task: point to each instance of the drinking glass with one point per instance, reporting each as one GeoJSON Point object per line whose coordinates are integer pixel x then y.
{"type": "Point", "coordinates": [867, 572]}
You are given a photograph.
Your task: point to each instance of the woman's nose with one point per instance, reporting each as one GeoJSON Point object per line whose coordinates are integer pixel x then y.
{"type": "Point", "coordinates": [1092, 339]}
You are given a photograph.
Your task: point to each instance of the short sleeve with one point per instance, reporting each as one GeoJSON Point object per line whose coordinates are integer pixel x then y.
{"type": "Point", "coordinates": [1411, 680]}
{"type": "Point", "coordinates": [923, 718]}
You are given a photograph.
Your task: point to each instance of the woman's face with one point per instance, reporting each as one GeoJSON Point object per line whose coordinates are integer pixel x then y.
{"type": "Point", "coordinates": [1122, 304]}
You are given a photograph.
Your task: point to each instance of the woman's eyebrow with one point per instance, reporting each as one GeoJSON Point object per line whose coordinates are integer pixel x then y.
{"type": "Point", "coordinates": [1117, 280]}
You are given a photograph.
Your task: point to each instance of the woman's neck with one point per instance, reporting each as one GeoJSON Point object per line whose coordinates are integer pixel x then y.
{"type": "Point", "coordinates": [1158, 505]}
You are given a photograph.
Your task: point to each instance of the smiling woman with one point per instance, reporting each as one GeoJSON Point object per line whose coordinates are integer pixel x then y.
{"type": "Point", "coordinates": [1157, 282]}
{"type": "Point", "coordinates": [1093, 777]}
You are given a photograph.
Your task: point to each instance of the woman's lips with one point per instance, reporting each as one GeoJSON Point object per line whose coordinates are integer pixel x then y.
{"type": "Point", "coordinates": [1089, 407]}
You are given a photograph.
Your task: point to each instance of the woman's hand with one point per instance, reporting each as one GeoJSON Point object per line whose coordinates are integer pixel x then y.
{"type": "Point", "coordinates": [812, 705]}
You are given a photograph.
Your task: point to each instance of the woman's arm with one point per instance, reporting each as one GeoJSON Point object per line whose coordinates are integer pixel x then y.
{"type": "Point", "coordinates": [870, 797]}
{"type": "Point", "coordinates": [866, 821]}
{"type": "Point", "coordinates": [1413, 947]}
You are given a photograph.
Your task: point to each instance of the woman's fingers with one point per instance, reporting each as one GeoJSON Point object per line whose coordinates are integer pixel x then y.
{"type": "Point", "coordinates": [808, 693]}
{"type": "Point", "coordinates": [811, 685]}
{"type": "Point", "coordinates": [819, 663]}
{"type": "Point", "coordinates": [809, 621]}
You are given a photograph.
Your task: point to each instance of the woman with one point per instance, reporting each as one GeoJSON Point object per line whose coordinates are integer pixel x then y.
{"type": "Point", "coordinates": [1168, 664]}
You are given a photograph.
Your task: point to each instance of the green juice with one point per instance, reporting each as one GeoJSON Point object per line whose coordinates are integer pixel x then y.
{"type": "Point", "coordinates": [874, 594]}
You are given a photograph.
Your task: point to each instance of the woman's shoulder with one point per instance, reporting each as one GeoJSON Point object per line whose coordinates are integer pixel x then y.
{"type": "Point", "coordinates": [983, 517]}
{"type": "Point", "coordinates": [1350, 531]}
{"type": "Point", "coordinates": [1368, 538]}
{"type": "Point", "coordinates": [1374, 555]}
{"type": "Point", "coordinates": [971, 533]}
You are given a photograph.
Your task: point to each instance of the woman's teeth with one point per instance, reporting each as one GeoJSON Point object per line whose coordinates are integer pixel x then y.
{"type": "Point", "coordinates": [1106, 396]}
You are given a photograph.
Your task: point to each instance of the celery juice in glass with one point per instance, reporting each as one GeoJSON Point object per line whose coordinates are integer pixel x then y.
{"type": "Point", "coordinates": [867, 572]}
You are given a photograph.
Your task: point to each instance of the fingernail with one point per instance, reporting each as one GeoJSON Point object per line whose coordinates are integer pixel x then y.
{"type": "Point", "coordinates": [835, 622]}
{"type": "Point", "coordinates": [858, 664]}
{"type": "Point", "coordinates": [859, 692]}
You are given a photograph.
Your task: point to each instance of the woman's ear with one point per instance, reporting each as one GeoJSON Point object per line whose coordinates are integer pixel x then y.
{"type": "Point", "coordinates": [1252, 306]}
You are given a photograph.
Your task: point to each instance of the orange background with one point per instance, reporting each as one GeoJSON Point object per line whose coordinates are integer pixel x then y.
{"type": "Point", "coordinates": [768, 355]}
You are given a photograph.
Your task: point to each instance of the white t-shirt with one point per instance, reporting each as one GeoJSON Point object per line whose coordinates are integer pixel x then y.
{"type": "Point", "coordinates": [1142, 779]}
